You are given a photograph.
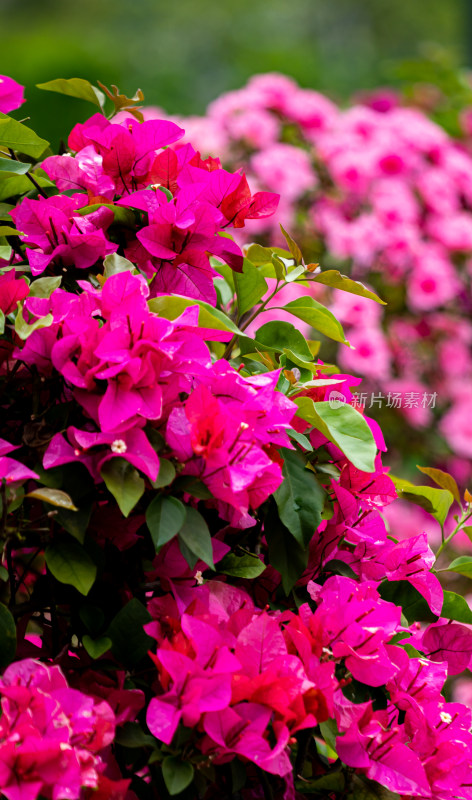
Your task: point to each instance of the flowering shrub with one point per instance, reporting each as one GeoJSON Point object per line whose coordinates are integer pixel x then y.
{"type": "Point", "coordinates": [199, 593]}
{"type": "Point", "coordinates": [383, 191]}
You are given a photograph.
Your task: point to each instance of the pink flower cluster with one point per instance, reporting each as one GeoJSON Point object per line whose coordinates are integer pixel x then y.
{"type": "Point", "coordinates": [245, 680]}
{"type": "Point", "coordinates": [386, 189]}
{"type": "Point", "coordinates": [187, 202]}
{"type": "Point", "coordinates": [51, 735]}
{"type": "Point", "coordinates": [127, 367]}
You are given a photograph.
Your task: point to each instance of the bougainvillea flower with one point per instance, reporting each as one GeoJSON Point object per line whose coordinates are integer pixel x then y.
{"type": "Point", "coordinates": [50, 735]}
{"type": "Point", "coordinates": [12, 290]}
{"type": "Point", "coordinates": [11, 94]}
{"type": "Point", "coordinates": [95, 449]}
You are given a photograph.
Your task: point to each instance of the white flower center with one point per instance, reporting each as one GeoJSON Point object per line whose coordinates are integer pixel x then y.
{"type": "Point", "coordinates": [119, 446]}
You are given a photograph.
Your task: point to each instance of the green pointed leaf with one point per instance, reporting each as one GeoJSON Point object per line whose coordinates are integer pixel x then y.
{"type": "Point", "coordinates": [7, 637]}
{"type": "Point", "coordinates": [172, 306]}
{"type": "Point", "coordinates": [165, 516]}
{"type": "Point", "coordinates": [7, 230]}
{"type": "Point", "coordinates": [75, 87]}
{"type": "Point", "coordinates": [44, 287]}
{"type": "Point", "coordinates": [247, 565]}
{"type": "Point", "coordinates": [436, 502]}
{"type": "Point", "coordinates": [462, 565]}
{"type": "Point", "coordinates": [292, 246]}
{"type": "Point", "coordinates": [130, 641]}
{"type": "Point", "coordinates": [11, 165]}
{"type": "Point", "coordinates": [345, 427]}
{"type": "Point", "coordinates": [71, 564]}
{"type": "Point", "coordinates": [333, 278]}
{"type": "Point", "coordinates": [131, 734]}
{"type": "Point", "coordinates": [196, 537]}
{"type": "Point", "coordinates": [442, 479]}
{"type": "Point", "coordinates": [301, 439]}
{"type": "Point", "coordinates": [19, 137]}
{"type": "Point", "coordinates": [299, 498]}
{"type": "Point", "coordinates": [20, 184]}
{"type": "Point", "coordinates": [250, 287]}
{"type": "Point", "coordinates": [403, 594]}
{"type": "Point", "coordinates": [286, 555]}
{"type": "Point", "coordinates": [55, 497]}
{"type": "Point", "coordinates": [177, 774]}
{"type": "Point", "coordinates": [456, 607]}
{"type": "Point", "coordinates": [124, 483]}
{"type": "Point", "coordinates": [315, 314]}
{"type": "Point", "coordinates": [166, 474]}
{"type": "Point", "coordinates": [123, 216]}
{"type": "Point", "coordinates": [96, 647]}
{"type": "Point", "coordinates": [259, 255]}
{"type": "Point", "coordinates": [114, 263]}
{"type": "Point", "coordinates": [23, 330]}
{"type": "Point", "coordinates": [278, 336]}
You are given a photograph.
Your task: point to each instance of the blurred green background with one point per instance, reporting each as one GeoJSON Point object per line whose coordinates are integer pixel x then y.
{"type": "Point", "coordinates": [182, 54]}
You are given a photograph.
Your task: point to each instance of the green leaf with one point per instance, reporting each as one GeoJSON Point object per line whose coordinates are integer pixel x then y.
{"type": "Point", "coordinates": [115, 263]}
{"type": "Point", "coordinates": [96, 647]}
{"type": "Point", "coordinates": [5, 208]}
{"type": "Point", "coordinates": [456, 607]}
{"type": "Point", "coordinates": [55, 497]}
{"type": "Point", "coordinates": [44, 287]}
{"type": "Point", "coordinates": [131, 734]}
{"type": "Point", "coordinates": [442, 479]}
{"type": "Point", "coordinates": [247, 565]}
{"type": "Point", "coordinates": [122, 215]}
{"type": "Point", "coordinates": [333, 278]}
{"type": "Point", "coordinates": [259, 255]}
{"type": "Point", "coordinates": [172, 306]}
{"type": "Point", "coordinates": [192, 485]}
{"type": "Point", "coordinates": [20, 184]}
{"type": "Point", "coordinates": [315, 314]}
{"type": "Point", "coordinates": [338, 567]}
{"type": "Point", "coordinates": [325, 785]}
{"type": "Point", "coordinates": [278, 336]}
{"type": "Point", "coordinates": [23, 330]}
{"type": "Point", "coordinates": [285, 554]}
{"type": "Point", "coordinates": [301, 439]}
{"type": "Point", "coordinates": [413, 604]}
{"type": "Point", "coordinates": [250, 287]}
{"type": "Point", "coordinates": [7, 230]}
{"type": "Point", "coordinates": [196, 536]}
{"type": "Point", "coordinates": [329, 731]}
{"type": "Point", "coordinates": [462, 565]}
{"type": "Point", "coordinates": [2, 322]}
{"type": "Point", "coordinates": [124, 483]}
{"type": "Point", "coordinates": [71, 564]}
{"type": "Point", "coordinates": [130, 642]}
{"type": "Point", "coordinates": [166, 474]}
{"type": "Point", "coordinates": [92, 617]}
{"type": "Point", "coordinates": [15, 135]}
{"type": "Point", "coordinates": [11, 165]}
{"type": "Point", "coordinates": [436, 502]}
{"type": "Point", "coordinates": [299, 498]}
{"type": "Point", "coordinates": [75, 87]}
{"type": "Point", "coordinates": [177, 774]}
{"type": "Point", "coordinates": [7, 637]}
{"type": "Point", "coordinates": [165, 516]}
{"type": "Point", "coordinates": [345, 427]}
{"type": "Point", "coordinates": [292, 246]}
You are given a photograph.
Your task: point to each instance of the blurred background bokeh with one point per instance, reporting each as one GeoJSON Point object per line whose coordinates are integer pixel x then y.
{"type": "Point", "coordinates": [184, 54]}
